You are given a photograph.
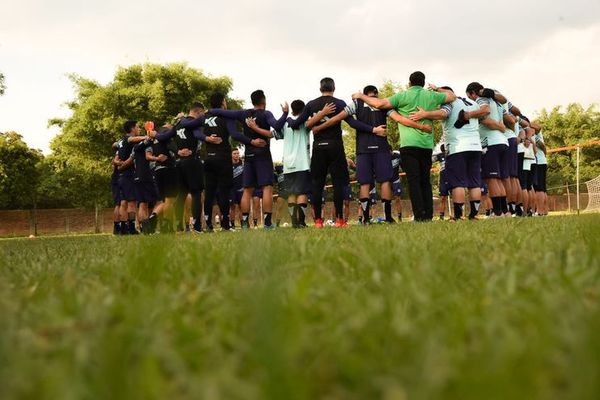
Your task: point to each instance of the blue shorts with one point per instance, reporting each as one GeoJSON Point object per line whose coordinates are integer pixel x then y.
{"type": "Point", "coordinates": [444, 188]}
{"type": "Point", "coordinates": [512, 158]}
{"type": "Point", "coordinates": [116, 193]}
{"type": "Point", "coordinates": [258, 171]}
{"type": "Point", "coordinates": [374, 165]}
{"type": "Point", "coordinates": [463, 170]}
{"type": "Point", "coordinates": [347, 192]}
{"type": "Point", "coordinates": [127, 188]}
{"type": "Point", "coordinates": [145, 192]}
{"type": "Point", "coordinates": [397, 188]}
{"type": "Point", "coordinates": [493, 162]}
{"type": "Point", "coordinates": [235, 196]}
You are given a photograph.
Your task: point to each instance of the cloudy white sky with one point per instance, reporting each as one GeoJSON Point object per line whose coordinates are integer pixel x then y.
{"type": "Point", "coordinates": [540, 54]}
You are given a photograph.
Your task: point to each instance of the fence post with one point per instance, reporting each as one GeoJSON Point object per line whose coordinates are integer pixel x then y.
{"type": "Point", "coordinates": [97, 228]}
{"type": "Point", "coordinates": [578, 203]}
{"type": "Point", "coordinates": [568, 197]}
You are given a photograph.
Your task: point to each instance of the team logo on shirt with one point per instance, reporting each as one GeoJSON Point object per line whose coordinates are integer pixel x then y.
{"type": "Point", "coordinates": [212, 122]}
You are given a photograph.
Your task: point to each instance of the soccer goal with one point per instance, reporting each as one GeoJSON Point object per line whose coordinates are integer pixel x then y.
{"type": "Point", "coordinates": [593, 188]}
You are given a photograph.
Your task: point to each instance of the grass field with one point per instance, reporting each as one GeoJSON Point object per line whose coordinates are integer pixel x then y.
{"type": "Point", "coordinates": [502, 309]}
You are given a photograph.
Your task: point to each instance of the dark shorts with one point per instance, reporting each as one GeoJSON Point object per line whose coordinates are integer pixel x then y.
{"type": "Point", "coordinates": [332, 160]}
{"type": "Point", "coordinates": [484, 188]}
{"type": "Point", "coordinates": [493, 162]}
{"type": "Point", "coordinates": [463, 170]}
{"type": "Point", "coordinates": [297, 183]}
{"type": "Point", "coordinates": [524, 179]}
{"type": "Point", "coordinates": [145, 192]}
{"type": "Point", "coordinates": [534, 176]}
{"type": "Point", "coordinates": [116, 193]}
{"type": "Point", "coordinates": [512, 159]}
{"type": "Point", "coordinates": [235, 196]}
{"type": "Point", "coordinates": [167, 182]}
{"type": "Point", "coordinates": [444, 188]}
{"type": "Point", "coordinates": [258, 171]}
{"type": "Point", "coordinates": [191, 175]}
{"type": "Point", "coordinates": [311, 199]}
{"type": "Point", "coordinates": [374, 165]}
{"type": "Point", "coordinates": [347, 192]}
{"type": "Point", "coordinates": [540, 184]}
{"type": "Point", "coordinates": [217, 172]}
{"type": "Point", "coordinates": [397, 188]}
{"type": "Point", "coordinates": [127, 188]}
{"type": "Point", "coordinates": [520, 159]}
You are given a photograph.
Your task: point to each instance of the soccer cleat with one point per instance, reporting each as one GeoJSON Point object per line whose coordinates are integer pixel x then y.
{"type": "Point", "coordinates": [196, 227]}
{"type": "Point", "coordinates": [341, 223]}
{"type": "Point", "coordinates": [245, 225]}
{"type": "Point", "coordinates": [319, 223]}
{"type": "Point", "coordinates": [269, 227]}
{"type": "Point", "coordinates": [209, 229]}
{"type": "Point", "coordinates": [390, 221]}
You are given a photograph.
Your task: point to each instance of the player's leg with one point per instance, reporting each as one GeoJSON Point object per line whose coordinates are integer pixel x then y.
{"type": "Point", "coordinates": [338, 167]}
{"type": "Point", "coordinates": [425, 163]}
{"type": "Point", "coordinates": [384, 173]}
{"type": "Point", "coordinates": [211, 171]}
{"type": "Point", "coordinates": [318, 170]}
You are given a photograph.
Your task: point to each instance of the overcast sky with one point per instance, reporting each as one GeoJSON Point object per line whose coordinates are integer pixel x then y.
{"type": "Point", "coordinates": [539, 54]}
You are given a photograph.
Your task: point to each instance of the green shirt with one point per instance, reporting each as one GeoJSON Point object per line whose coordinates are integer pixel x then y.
{"type": "Point", "coordinates": [407, 102]}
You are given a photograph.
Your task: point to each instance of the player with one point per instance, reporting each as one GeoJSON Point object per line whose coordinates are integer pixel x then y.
{"type": "Point", "coordinates": [237, 187]}
{"type": "Point", "coordinates": [258, 167]}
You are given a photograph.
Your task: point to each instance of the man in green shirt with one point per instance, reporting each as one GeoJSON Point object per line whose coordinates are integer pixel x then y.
{"type": "Point", "coordinates": [415, 145]}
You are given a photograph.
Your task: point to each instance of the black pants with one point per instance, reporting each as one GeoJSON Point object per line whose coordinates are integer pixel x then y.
{"type": "Point", "coordinates": [332, 159]}
{"type": "Point", "coordinates": [416, 162]}
{"type": "Point", "coordinates": [219, 180]}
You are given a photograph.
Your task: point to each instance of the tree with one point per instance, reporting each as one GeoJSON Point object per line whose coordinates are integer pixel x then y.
{"type": "Point", "coordinates": [575, 125]}
{"type": "Point", "coordinates": [83, 149]}
{"type": "Point", "coordinates": [18, 172]}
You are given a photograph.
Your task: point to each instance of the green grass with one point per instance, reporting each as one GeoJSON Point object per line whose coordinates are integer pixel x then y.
{"type": "Point", "coordinates": [502, 309]}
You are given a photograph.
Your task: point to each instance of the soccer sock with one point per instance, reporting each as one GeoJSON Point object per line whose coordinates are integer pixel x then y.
{"type": "Point", "coordinates": [387, 207]}
{"type": "Point", "coordinates": [365, 205]}
{"type": "Point", "coordinates": [458, 210]}
{"type": "Point", "coordinates": [292, 208]}
{"type": "Point", "coordinates": [474, 208]}
{"type": "Point", "coordinates": [117, 227]}
{"type": "Point", "coordinates": [497, 206]}
{"type": "Point", "coordinates": [399, 217]}
{"type": "Point", "coordinates": [488, 212]}
{"type": "Point", "coordinates": [441, 215]}
{"type": "Point", "coordinates": [519, 209]}
{"type": "Point", "coordinates": [511, 207]}
{"type": "Point", "coordinates": [503, 205]}
{"type": "Point", "coordinates": [255, 221]}
{"type": "Point", "coordinates": [267, 217]}
{"type": "Point", "coordinates": [245, 217]}
{"type": "Point", "coordinates": [302, 213]}
{"type": "Point", "coordinates": [360, 219]}
{"type": "Point", "coordinates": [131, 225]}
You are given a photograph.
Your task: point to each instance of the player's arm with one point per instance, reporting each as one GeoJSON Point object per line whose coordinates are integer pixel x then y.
{"type": "Point", "coordinates": [278, 124]}
{"type": "Point", "coordinates": [330, 122]}
{"type": "Point", "coordinates": [136, 139]}
{"type": "Point", "coordinates": [493, 125]}
{"type": "Point", "coordinates": [116, 160]}
{"type": "Point", "coordinates": [251, 122]}
{"type": "Point", "coordinates": [408, 122]}
{"type": "Point", "coordinates": [302, 118]}
{"type": "Point", "coordinates": [362, 127]}
{"type": "Point", "coordinates": [166, 134]}
{"type": "Point", "coordinates": [516, 111]}
{"type": "Point", "coordinates": [233, 132]}
{"type": "Point", "coordinates": [420, 114]}
{"type": "Point", "coordinates": [483, 112]}
{"type": "Point", "coordinates": [493, 94]}
{"type": "Point", "coordinates": [126, 164]}
{"type": "Point", "coordinates": [509, 120]}
{"type": "Point", "coordinates": [376, 102]}
{"type": "Point", "coordinates": [191, 123]}
{"type": "Point", "coordinates": [450, 96]}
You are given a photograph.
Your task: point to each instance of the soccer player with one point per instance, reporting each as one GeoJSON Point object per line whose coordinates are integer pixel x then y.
{"type": "Point", "coordinates": [127, 174]}
{"type": "Point", "coordinates": [189, 165]}
{"type": "Point", "coordinates": [396, 184]}
{"type": "Point", "coordinates": [215, 133]}
{"type": "Point", "coordinates": [328, 150]}
{"type": "Point", "coordinates": [280, 202]}
{"type": "Point", "coordinates": [258, 167]}
{"type": "Point", "coordinates": [237, 187]}
{"type": "Point", "coordinates": [116, 194]}
{"type": "Point", "coordinates": [542, 168]}
{"type": "Point", "coordinates": [415, 145]}
{"type": "Point", "coordinates": [145, 187]}
{"type": "Point", "coordinates": [167, 181]}
{"type": "Point", "coordinates": [495, 145]}
{"type": "Point", "coordinates": [528, 162]}
{"type": "Point", "coordinates": [296, 166]}
{"type": "Point", "coordinates": [439, 155]}
{"type": "Point", "coordinates": [462, 166]}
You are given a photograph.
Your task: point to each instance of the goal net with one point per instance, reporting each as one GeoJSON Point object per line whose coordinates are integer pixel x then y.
{"type": "Point", "coordinates": [593, 188]}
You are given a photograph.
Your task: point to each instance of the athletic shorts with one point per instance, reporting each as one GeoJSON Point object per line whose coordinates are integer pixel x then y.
{"type": "Point", "coordinates": [127, 188]}
{"type": "Point", "coordinates": [167, 182]}
{"type": "Point", "coordinates": [258, 171]}
{"type": "Point", "coordinates": [397, 188]}
{"type": "Point", "coordinates": [512, 159]}
{"type": "Point", "coordinates": [116, 193]}
{"type": "Point", "coordinates": [191, 174]}
{"type": "Point", "coordinates": [463, 170]}
{"type": "Point", "coordinates": [145, 192]}
{"type": "Point", "coordinates": [534, 176]}
{"type": "Point", "coordinates": [311, 197]}
{"type": "Point", "coordinates": [374, 165]}
{"type": "Point", "coordinates": [484, 188]}
{"type": "Point", "coordinates": [297, 183]}
{"type": "Point", "coordinates": [528, 179]}
{"type": "Point", "coordinates": [542, 170]}
{"type": "Point", "coordinates": [347, 192]}
{"type": "Point", "coordinates": [329, 159]}
{"type": "Point", "coordinates": [217, 172]}
{"type": "Point", "coordinates": [235, 195]}
{"type": "Point", "coordinates": [520, 159]}
{"type": "Point", "coordinates": [524, 179]}
{"type": "Point", "coordinates": [444, 188]}
{"type": "Point", "coordinates": [493, 162]}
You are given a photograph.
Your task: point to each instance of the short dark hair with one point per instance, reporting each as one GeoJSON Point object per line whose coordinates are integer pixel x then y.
{"type": "Point", "coordinates": [216, 100]}
{"type": "Point", "coordinates": [447, 88]}
{"type": "Point", "coordinates": [297, 106]}
{"type": "Point", "coordinates": [234, 149]}
{"type": "Point", "coordinates": [417, 78]}
{"type": "Point", "coordinates": [129, 125]}
{"type": "Point", "coordinates": [370, 89]}
{"type": "Point", "coordinates": [257, 97]}
{"type": "Point", "coordinates": [474, 87]}
{"type": "Point", "coordinates": [197, 106]}
{"type": "Point", "coordinates": [327, 85]}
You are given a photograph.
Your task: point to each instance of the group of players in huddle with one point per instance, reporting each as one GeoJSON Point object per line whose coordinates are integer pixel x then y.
{"type": "Point", "coordinates": [488, 149]}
